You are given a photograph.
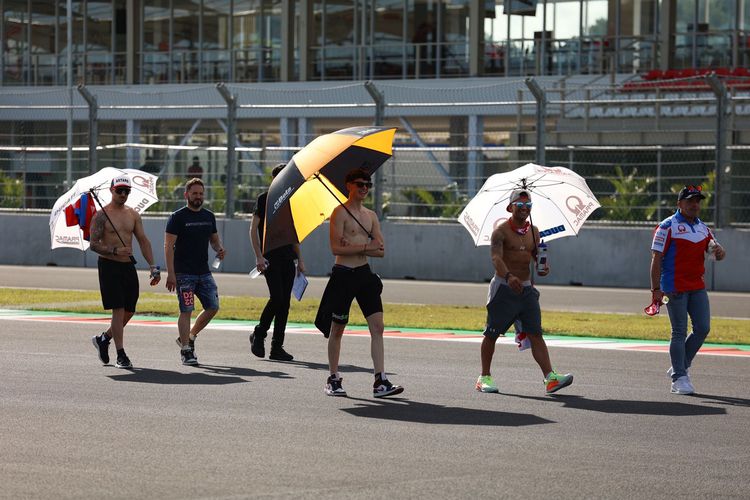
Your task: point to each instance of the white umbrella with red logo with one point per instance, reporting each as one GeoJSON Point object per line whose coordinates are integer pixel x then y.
{"type": "Point", "coordinates": [561, 202]}
{"type": "Point", "coordinates": [63, 235]}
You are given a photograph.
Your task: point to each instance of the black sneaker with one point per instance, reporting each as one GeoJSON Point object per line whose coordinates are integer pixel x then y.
{"type": "Point", "coordinates": [102, 347]}
{"type": "Point", "coordinates": [188, 357]}
{"type": "Point", "coordinates": [383, 388]}
{"type": "Point", "coordinates": [123, 361]}
{"type": "Point", "coordinates": [257, 345]}
{"type": "Point", "coordinates": [333, 387]}
{"type": "Point", "coordinates": [279, 354]}
{"type": "Point", "coordinates": [191, 343]}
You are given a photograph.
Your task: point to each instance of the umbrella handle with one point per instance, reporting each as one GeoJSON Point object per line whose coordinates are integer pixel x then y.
{"type": "Point", "coordinates": [93, 193]}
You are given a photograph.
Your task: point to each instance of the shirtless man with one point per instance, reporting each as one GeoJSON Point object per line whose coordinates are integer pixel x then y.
{"type": "Point", "coordinates": [118, 280]}
{"type": "Point", "coordinates": [352, 278]}
{"type": "Point", "coordinates": [512, 296]}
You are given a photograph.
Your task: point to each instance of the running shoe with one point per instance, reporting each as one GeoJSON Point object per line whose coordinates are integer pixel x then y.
{"type": "Point", "coordinates": [191, 343]}
{"type": "Point", "coordinates": [682, 386]}
{"type": "Point", "coordinates": [554, 382]}
{"type": "Point", "coordinates": [102, 347]}
{"type": "Point", "coordinates": [486, 384]}
{"type": "Point", "coordinates": [333, 386]}
{"type": "Point", "coordinates": [123, 361]}
{"type": "Point", "coordinates": [383, 388]}
{"type": "Point", "coordinates": [257, 345]}
{"type": "Point", "coordinates": [188, 357]}
{"type": "Point", "coordinates": [279, 354]}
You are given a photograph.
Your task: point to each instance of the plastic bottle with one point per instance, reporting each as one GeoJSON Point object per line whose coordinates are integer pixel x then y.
{"type": "Point", "coordinates": [255, 272]}
{"type": "Point", "coordinates": [216, 264]}
{"type": "Point", "coordinates": [541, 259]}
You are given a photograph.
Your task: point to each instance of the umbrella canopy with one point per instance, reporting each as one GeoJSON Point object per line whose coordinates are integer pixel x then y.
{"type": "Point", "coordinates": [562, 202]}
{"type": "Point", "coordinates": [312, 185]}
{"type": "Point", "coordinates": [142, 196]}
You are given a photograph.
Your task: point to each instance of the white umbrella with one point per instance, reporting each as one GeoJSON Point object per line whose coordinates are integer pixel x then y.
{"type": "Point", "coordinates": [142, 196]}
{"type": "Point", "coordinates": [562, 202]}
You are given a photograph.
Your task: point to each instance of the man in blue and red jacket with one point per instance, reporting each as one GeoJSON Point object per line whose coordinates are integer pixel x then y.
{"type": "Point", "coordinates": [678, 250]}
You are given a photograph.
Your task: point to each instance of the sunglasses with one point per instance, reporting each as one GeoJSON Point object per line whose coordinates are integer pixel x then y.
{"type": "Point", "coordinates": [522, 204]}
{"type": "Point", "coordinates": [362, 184]}
{"type": "Point", "coordinates": [122, 191]}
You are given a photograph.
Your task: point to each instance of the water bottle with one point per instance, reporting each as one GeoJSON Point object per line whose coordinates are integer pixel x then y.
{"type": "Point", "coordinates": [541, 258]}
{"type": "Point", "coordinates": [216, 263]}
{"type": "Point", "coordinates": [255, 272]}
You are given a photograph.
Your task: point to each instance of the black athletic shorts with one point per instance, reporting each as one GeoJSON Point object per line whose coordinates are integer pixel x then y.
{"type": "Point", "coordinates": [347, 284]}
{"type": "Point", "coordinates": [118, 283]}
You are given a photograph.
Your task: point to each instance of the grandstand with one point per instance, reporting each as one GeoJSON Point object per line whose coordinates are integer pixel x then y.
{"type": "Point", "coordinates": [654, 91]}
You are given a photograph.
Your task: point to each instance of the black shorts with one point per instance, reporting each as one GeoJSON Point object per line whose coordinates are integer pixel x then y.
{"type": "Point", "coordinates": [347, 284]}
{"type": "Point", "coordinates": [118, 283]}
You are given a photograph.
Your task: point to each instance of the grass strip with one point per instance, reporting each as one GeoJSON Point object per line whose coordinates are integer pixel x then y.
{"type": "Point", "coordinates": [465, 318]}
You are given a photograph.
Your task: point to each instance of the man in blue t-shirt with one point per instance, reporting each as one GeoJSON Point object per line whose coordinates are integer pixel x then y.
{"type": "Point", "coordinates": [189, 231]}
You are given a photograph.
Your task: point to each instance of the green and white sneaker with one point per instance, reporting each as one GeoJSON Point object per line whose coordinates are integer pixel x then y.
{"type": "Point", "coordinates": [486, 384]}
{"type": "Point", "coordinates": [554, 382]}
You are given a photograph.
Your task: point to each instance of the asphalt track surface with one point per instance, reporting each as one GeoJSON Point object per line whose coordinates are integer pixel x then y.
{"type": "Point", "coordinates": [557, 298]}
{"type": "Point", "coordinates": [242, 427]}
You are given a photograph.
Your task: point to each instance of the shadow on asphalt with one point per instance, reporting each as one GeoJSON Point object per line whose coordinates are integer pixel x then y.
{"type": "Point", "coordinates": [666, 408]}
{"type": "Point", "coordinates": [324, 366]}
{"type": "Point", "coordinates": [724, 399]}
{"type": "Point", "coordinates": [219, 375]}
{"type": "Point", "coordinates": [424, 413]}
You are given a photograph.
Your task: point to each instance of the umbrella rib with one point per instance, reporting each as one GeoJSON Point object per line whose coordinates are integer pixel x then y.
{"type": "Point", "coordinates": [317, 176]}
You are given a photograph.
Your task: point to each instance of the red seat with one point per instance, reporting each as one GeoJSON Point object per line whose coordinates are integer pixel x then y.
{"type": "Point", "coordinates": [654, 74]}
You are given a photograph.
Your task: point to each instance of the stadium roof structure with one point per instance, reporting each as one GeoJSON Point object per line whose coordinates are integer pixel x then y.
{"type": "Point", "coordinates": [407, 98]}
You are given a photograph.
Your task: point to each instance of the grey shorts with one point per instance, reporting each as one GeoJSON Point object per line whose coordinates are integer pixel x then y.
{"type": "Point", "coordinates": [504, 306]}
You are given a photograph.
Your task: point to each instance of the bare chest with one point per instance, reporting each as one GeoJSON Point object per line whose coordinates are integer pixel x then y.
{"type": "Point", "coordinates": [124, 222]}
{"type": "Point", "coordinates": [353, 231]}
{"type": "Point", "coordinates": [514, 241]}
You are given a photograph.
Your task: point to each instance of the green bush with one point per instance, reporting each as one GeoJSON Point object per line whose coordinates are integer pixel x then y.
{"type": "Point", "coordinates": [11, 192]}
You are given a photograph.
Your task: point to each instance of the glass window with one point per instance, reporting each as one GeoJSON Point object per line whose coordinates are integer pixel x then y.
{"type": "Point", "coordinates": [16, 18]}
{"type": "Point", "coordinates": [43, 51]}
{"type": "Point", "coordinates": [248, 35]}
{"type": "Point", "coordinates": [156, 41]}
{"type": "Point", "coordinates": [454, 47]}
{"type": "Point", "coordinates": [215, 66]}
{"type": "Point", "coordinates": [340, 27]}
{"type": "Point", "coordinates": [185, 40]}
{"type": "Point", "coordinates": [99, 42]}
{"type": "Point", "coordinates": [388, 38]}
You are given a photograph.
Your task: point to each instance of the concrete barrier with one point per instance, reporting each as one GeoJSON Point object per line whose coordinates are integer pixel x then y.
{"type": "Point", "coordinates": [599, 256]}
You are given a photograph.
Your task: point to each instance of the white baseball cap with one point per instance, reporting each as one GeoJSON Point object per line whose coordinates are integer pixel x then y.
{"type": "Point", "coordinates": [515, 195]}
{"type": "Point", "coordinates": [121, 181]}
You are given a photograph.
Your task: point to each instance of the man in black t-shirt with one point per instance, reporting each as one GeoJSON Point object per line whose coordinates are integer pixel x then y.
{"type": "Point", "coordinates": [279, 270]}
{"type": "Point", "coordinates": [189, 231]}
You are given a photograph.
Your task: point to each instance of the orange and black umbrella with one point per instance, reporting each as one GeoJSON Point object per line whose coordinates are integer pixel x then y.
{"type": "Point", "coordinates": [312, 185]}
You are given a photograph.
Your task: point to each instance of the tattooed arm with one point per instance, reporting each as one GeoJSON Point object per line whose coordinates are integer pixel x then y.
{"type": "Point", "coordinates": [97, 235]}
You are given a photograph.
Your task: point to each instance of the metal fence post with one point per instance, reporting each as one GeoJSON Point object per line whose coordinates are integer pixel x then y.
{"type": "Point", "coordinates": [379, 99]}
{"type": "Point", "coordinates": [658, 185]}
{"type": "Point", "coordinates": [231, 101]}
{"type": "Point", "coordinates": [93, 126]}
{"type": "Point", "coordinates": [541, 113]}
{"type": "Point", "coordinates": [723, 182]}
{"type": "Point", "coordinates": [476, 141]}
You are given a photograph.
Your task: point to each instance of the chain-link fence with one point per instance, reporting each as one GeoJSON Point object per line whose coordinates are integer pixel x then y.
{"type": "Point", "coordinates": [635, 149]}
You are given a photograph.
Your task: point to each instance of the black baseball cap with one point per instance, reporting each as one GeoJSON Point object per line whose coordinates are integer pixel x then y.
{"type": "Point", "coordinates": [691, 192]}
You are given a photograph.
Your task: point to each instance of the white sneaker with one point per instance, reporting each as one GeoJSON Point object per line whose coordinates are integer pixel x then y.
{"type": "Point", "coordinates": [682, 386]}
{"type": "Point", "coordinates": [690, 383]}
